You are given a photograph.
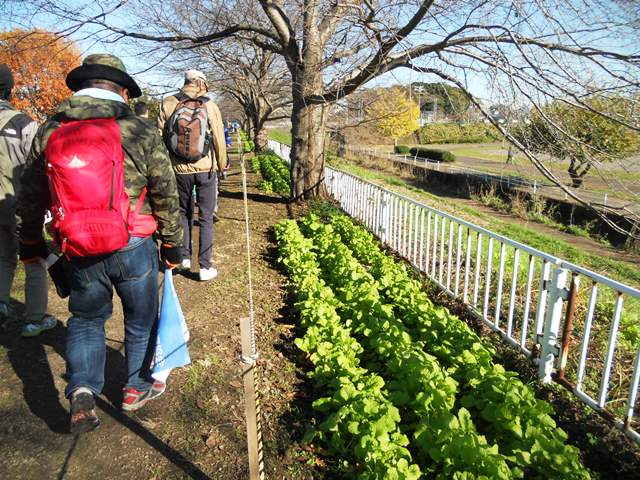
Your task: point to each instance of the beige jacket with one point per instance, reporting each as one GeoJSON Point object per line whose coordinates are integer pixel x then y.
{"type": "Point", "coordinates": [217, 157]}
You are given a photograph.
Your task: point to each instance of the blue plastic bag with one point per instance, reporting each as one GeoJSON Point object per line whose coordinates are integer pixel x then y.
{"type": "Point", "coordinates": [171, 344]}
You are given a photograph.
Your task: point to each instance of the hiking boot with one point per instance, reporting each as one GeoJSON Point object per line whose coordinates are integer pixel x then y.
{"type": "Point", "coordinates": [208, 274]}
{"type": "Point", "coordinates": [36, 328]}
{"type": "Point", "coordinates": [4, 317]}
{"type": "Point", "coordinates": [83, 413]}
{"type": "Point", "coordinates": [134, 399]}
{"type": "Point", "coordinates": [157, 389]}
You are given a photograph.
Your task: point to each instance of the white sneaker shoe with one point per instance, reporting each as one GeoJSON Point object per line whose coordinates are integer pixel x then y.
{"type": "Point", "coordinates": [186, 264]}
{"type": "Point", "coordinates": [208, 274]}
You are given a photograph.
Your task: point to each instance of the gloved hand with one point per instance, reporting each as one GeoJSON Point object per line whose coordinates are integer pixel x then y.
{"type": "Point", "coordinates": [170, 255]}
{"type": "Point", "coordinates": [31, 251]}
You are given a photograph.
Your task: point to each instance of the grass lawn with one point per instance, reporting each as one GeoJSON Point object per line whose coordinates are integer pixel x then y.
{"type": "Point", "coordinates": [279, 135]}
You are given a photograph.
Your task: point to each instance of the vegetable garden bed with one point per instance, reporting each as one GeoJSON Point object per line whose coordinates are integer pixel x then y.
{"type": "Point", "coordinates": [409, 390]}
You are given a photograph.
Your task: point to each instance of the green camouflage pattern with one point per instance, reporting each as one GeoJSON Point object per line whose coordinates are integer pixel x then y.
{"type": "Point", "coordinates": [146, 164]}
{"type": "Point", "coordinates": [105, 59]}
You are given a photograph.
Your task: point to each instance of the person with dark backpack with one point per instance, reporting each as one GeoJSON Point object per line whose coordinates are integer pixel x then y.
{"type": "Point", "coordinates": [194, 134]}
{"type": "Point", "coordinates": [106, 176]}
{"type": "Point", "coordinates": [16, 134]}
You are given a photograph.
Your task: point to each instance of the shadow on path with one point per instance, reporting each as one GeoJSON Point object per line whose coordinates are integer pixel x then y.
{"type": "Point", "coordinates": [28, 358]}
{"type": "Point", "coordinates": [255, 197]}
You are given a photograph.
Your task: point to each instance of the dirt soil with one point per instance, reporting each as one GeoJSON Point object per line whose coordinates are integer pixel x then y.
{"type": "Point", "coordinates": [197, 428]}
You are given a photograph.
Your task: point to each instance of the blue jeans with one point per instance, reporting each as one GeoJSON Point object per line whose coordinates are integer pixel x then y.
{"type": "Point", "coordinates": [133, 271]}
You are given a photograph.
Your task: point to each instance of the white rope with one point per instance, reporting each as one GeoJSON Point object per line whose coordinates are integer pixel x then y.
{"type": "Point", "coordinates": [250, 355]}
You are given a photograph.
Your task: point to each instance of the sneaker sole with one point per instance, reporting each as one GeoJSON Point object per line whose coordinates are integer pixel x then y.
{"type": "Point", "coordinates": [85, 425]}
{"type": "Point", "coordinates": [137, 406]}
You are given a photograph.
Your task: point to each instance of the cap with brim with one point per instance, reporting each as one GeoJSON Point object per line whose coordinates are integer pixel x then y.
{"type": "Point", "coordinates": [94, 68]}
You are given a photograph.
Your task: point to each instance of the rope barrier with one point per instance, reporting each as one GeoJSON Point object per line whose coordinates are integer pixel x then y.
{"type": "Point", "coordinates": [250, 354]}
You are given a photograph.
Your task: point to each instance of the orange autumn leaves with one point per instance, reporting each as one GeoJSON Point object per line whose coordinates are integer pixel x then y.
{"type": "Point", "coordinates": [40, 62]}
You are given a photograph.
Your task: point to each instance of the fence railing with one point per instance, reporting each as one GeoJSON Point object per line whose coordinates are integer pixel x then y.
{"type": "Point", "coordinates": [581, 328]}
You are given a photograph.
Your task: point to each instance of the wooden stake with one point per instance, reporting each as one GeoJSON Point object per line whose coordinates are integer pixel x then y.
{"type": "Point", "coordinates": [251, 404]}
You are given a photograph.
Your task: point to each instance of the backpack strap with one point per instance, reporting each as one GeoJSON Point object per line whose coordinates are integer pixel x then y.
{"type": "Point", "coordinates": [141, 198]}
{"type": "Point", "coordinates": [6, 115]}
{"type": "Point", "coordinates": [143, 194]}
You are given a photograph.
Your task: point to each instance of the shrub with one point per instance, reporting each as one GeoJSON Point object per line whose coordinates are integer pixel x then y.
{"type": "Point", "coordinates": [247, 144]}
{"type": "Point", "coordinates": [454, 133]}
{"type": "Point", "coordinates": [433, 154]}
{"type": "Point", "coordinates": [401, 149]}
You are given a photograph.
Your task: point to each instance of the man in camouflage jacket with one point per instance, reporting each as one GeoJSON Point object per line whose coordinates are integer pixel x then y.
{"type": "Point", "coordinates": [102, 89]}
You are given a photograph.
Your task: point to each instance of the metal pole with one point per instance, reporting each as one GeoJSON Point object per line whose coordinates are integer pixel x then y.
{"type": "Point", "coordinates": [557, 296]}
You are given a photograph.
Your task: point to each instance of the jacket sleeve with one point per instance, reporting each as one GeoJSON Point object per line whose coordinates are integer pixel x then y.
{"type": "Point", "coordinates": [217, 130]}
{"type": "Point", "coordinates": [34, 197]}
{"type": "Point", "coordinates": [162, 191]}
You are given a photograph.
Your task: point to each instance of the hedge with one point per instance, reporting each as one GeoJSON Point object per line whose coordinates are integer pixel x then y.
{"type": "Point", "coordinates": [432, 154]}
{"type": "Point", "coordinates": [454, 133]}
{"type": "Point", "coordinates": [401, 149]}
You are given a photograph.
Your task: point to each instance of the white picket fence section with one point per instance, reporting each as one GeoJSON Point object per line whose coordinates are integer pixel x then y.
{"type": "Point", "coordinates": [537, 302]}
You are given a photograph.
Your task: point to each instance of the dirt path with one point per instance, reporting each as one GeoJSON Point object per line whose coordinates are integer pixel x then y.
{"type": "Point", "coordinates": [196, 430]}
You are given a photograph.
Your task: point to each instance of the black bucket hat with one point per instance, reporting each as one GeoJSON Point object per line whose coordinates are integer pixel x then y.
{"type": "Point", "coordinates": [103, 66]}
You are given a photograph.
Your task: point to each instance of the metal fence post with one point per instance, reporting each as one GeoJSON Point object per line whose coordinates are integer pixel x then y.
{"type": "Point", "coordinates": [550, 348]}
{"type": "Point", "coordinates": [383, 218]}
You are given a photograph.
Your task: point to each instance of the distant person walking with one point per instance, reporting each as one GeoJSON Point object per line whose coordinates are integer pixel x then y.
{"type": "Point", "coordinates": [194, 134]}
{"type": "Point", "coordinates": [112, 188]}
{"type": "Point", "coordinates": [510, 155]}
{"type": "Point", "coordinates": [16, 134]}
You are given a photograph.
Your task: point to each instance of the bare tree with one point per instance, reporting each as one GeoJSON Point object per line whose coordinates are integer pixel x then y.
{"type": "Point", "coordinates": [256, 79]}
{"type": "Point", "coordinates": [534, 51]}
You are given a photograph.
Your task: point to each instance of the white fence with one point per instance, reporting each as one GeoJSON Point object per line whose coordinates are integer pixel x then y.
{"type": "Point", "coordinates": [537, 302]}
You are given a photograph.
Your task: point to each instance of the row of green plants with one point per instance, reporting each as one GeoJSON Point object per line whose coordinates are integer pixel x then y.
{"type": "Point", "coordinates": [466, 416]}
{"type": "Point", "coordinates": [455, 133]}
{"type": "Point", "coordinates": [247, 144]}
{"type": "Point", "coordinates": [446, 440]}
{"type": "Point", "coordinates": [426, 153]}
{"type": "Point", "coordinates": [274, 171]}
{"type": "Point", "coordinates": [361, 426]}
{"type": "Point", "coordinates": [511, 415]}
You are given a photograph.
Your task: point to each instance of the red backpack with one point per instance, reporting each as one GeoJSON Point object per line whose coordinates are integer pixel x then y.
{"type": "Point", "coordinates": [86, 179]}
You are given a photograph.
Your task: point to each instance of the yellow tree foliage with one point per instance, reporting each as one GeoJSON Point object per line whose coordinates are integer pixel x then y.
{"type": "Point", "coordinates": [40, 61]}
{"type": "Point", "coordinates": [393, 114]}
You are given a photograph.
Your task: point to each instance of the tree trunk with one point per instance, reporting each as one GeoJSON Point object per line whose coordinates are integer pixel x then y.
{"type": "Point", "coordinates": [577, 176]}
{"type": "Point", "coordinates": [260, 137]}
{"type": "Point", "coordinates": [307, 118]}
{"type": "Point", "coordinates": [307, 150]}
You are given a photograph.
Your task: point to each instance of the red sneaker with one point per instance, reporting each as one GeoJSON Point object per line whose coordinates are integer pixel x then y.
{"type": "Point", "coordinates": [157, 389]}
{"type": "Point", "coordinates": [133, 399]}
